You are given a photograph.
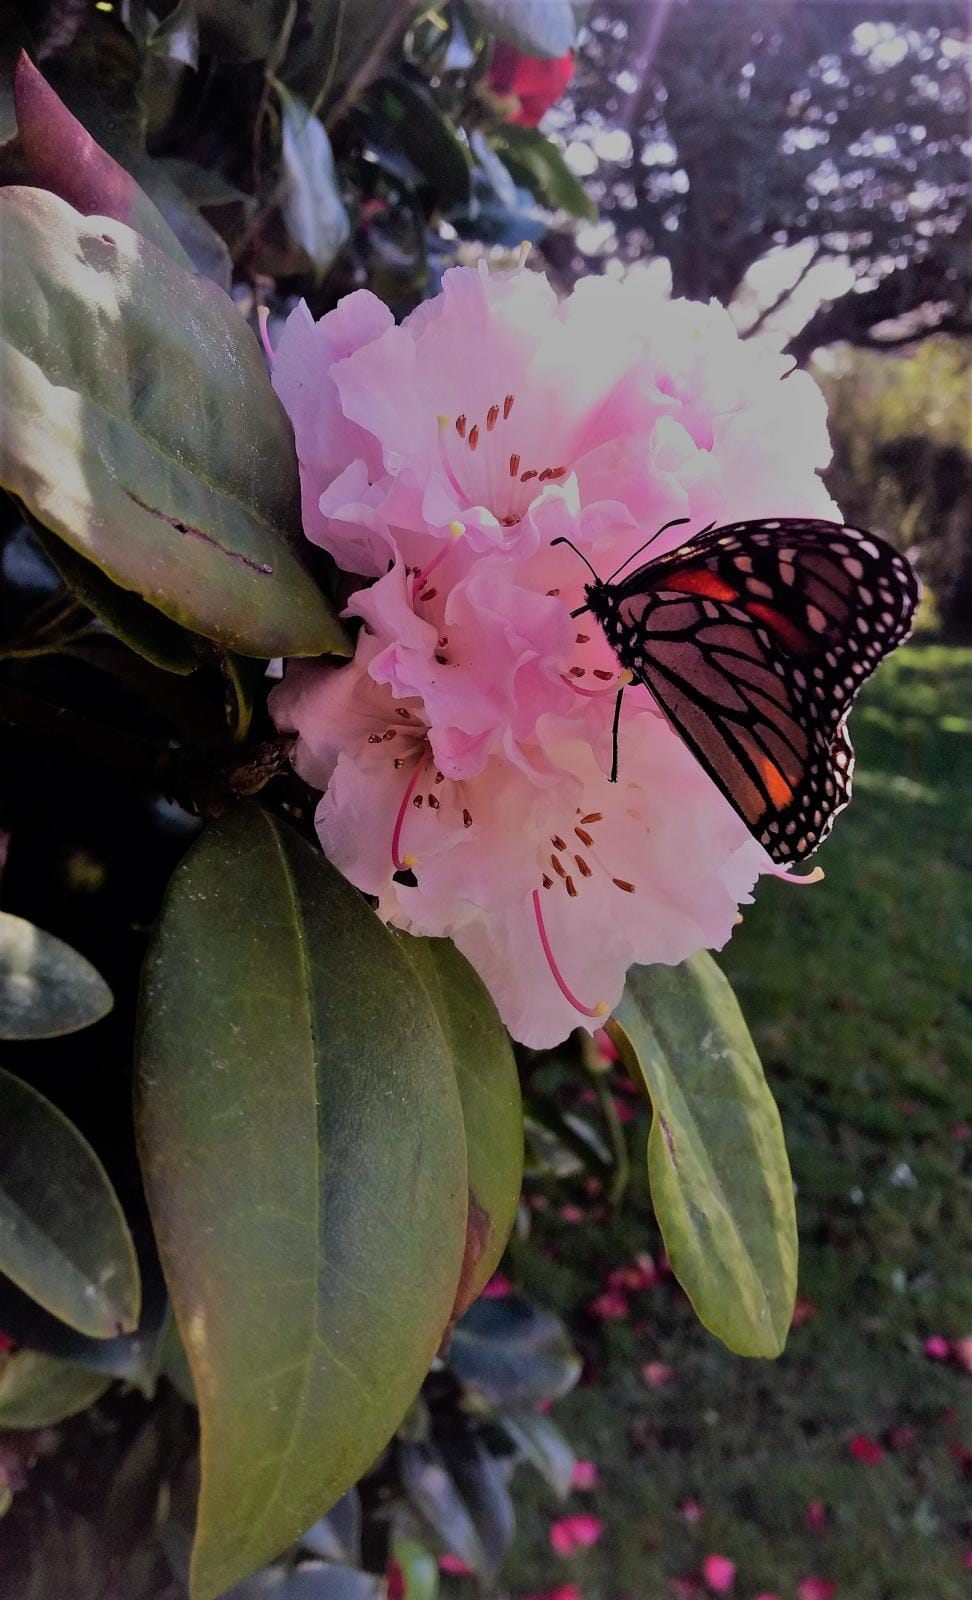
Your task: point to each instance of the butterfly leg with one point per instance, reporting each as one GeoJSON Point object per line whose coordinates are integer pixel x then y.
{"type": "Point", "coordinates": [614, 735]}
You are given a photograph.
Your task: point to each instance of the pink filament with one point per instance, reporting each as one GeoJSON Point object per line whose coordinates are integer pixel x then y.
{"type": "Point", "coordinates": [586, 1011]}
{"type": "Point", "coordinates": [397, 861]}
{"type": "Point", "coordinates": [424, 575]}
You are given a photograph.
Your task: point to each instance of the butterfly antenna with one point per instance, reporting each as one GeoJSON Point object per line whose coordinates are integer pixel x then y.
{"type": "Point", "coordinates": [675, 522]}
{"type": "Point", "coordinates": [563, 540]}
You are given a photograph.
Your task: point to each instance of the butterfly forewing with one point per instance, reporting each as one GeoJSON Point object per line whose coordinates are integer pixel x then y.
{"type": "Point", "coordinates": [755, 639]}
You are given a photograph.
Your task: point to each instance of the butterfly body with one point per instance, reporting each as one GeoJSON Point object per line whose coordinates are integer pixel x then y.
{"type": "Point", "coordinates": [754, 639]}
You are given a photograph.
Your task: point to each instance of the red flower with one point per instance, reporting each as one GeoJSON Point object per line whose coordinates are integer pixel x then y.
{"type": "Point", "coordinates": [6, 1343]}
{"type": "Point", "coordinates": [536, 84]}
{"type": "Point", "coordinates": [610, 1306]}
{"type": "Point", "coordinates": [865, 1449]}
{"type": "Point", "coordinates": [656, 1374]}
{"type": "Point", "coordinates": [574, 1533]}
{"type": "Point", "coordinates": [936, 1348]}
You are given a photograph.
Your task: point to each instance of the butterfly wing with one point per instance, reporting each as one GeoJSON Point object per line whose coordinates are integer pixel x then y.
{"type": "Point", "coordinates": [755, 639]}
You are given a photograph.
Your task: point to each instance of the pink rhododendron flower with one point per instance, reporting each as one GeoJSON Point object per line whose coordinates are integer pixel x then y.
{"type": "Point", "coordinates": [719, 1573]}
{"type": "Point", "coordinates": [465, 752]}
{"type": "Point", "coordinates": [574, 1533]}
{"type": "Point", "coordinates": [584, 1475]}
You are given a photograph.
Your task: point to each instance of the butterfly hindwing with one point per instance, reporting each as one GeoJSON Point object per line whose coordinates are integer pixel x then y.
{"type": "Point", "coordinates": [754, 639]}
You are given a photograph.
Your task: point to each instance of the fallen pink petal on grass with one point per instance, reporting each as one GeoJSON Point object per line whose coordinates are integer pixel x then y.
{"type": "Point", "coordinates": [936, 1348]}
{"type": "Point", "coordinates": [611, 1306]}
{"type": "Point", "coordinates": [690, 1511]}
{"type": "Point", "coordinates": [584, 1475]}
{"type": "Point", "coordinates": [656, 1374]}
{"type": "Point", "coordinates": [719, 1573]}
{"type": "Point", "coordinates": [565, 1591]}
{"type": "Point", "coordinates": [574, 1533]}
{"type": "Point", "coordinates": [816, 1589]}
{"type": "Point", "coordinates": [865, 1449]}
{"type": "Point", "coordinates": [455, 1567]}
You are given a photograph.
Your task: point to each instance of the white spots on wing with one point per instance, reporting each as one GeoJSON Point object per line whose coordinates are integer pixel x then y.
{"type": "Point", "coordinates": [816, 619]}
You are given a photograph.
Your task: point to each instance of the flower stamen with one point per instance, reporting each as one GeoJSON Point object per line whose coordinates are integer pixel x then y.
{"type": "Point", "coordinates": [598, 1010]}
{"type": "Point", "coordinates": [399, 862]}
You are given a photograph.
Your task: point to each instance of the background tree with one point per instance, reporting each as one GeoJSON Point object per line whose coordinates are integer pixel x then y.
{"type": "Point", "coordinates": [717, 133]}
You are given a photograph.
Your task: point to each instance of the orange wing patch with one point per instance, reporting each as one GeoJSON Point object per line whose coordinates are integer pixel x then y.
{"type": "Point", "coordinates": [786, 631]}
{"type": "Point", "coordinates": [696, 580]}
{"type": "Point", "coordinates": [777, 787]}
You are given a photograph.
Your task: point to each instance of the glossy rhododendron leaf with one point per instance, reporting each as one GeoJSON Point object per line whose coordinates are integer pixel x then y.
{"type": "Point", "coordinates": [36, 1391]}
{"type": "Point", "coordinates": [62, 156]}
{"type": "Point", "coordinates": [717, 1163]}
{"type": "Point", "coordinates": [512, 1353]}
{"type": "Point", "coordinates": [63, 1237]}
{"type": "Point", "coordinates": [140, 427]}
{"type": "Point", "coordinates": [485, 1068]}
{"type": "Point", "coordinates": [46, 988]}
{"type": "Point", "coordinates": [302, 1145]}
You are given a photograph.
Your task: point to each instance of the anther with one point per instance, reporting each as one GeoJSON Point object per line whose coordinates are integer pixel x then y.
{"type": "Point", "coordinates": [551, 592]}
{"type": "Point", "coordinates": [592, 816]}
{"type": "Point", "coordinates": [399, 761]}
{"type": "Point", "coordinates": [461, 426]}
{"type": "Point", "coordinates": [473, 439]}
{"type": "Point", "coordinates": [441, 659]}
{"type": "Point", "coordinates": [582, 638]}
{"type": "Point", "coordinates": [417, 803]}
{"type": "Point", "coordinates": [582, 867]}
{"type": "Point", "coordinates": [375, 738]}
{"type": "Point", "coordinates": [584, 837]}
{"type": "Point", "coordinates": [571, 887]}
{"type": "Point", "coordinates": [442, 641]}
{"type": "Point", "coordinates": [558, 843]}
{"type": "Point", "coordinates": [600, 673]}
{"type": "Point", "coordinates": [389, 735]}
{"type": "Point", "coordinates": [508, 405]}
{"type": "Point", "coordinates": [620, 883]}
{"type": "Point", "coordinates": [577, 672]}
{"type": "Point", "coordinates": [428, 594]}
{"type": "Point", "coordinates": [400, 711]}
{"type": "Point", "coordinates": [514, 464]}
{"type": "Point", "coordinates": [439, 777]}
{"type": "Point", "coordinates": [547, 882]}
{"type": "Point", "coordinates": [491, 416]}
{"type": "Point", "coordinates": [433, 802]}
{"type": "Point", "coordinates": [558, 869]}
{"type": "Point", "coordinates": [526, 476]}
{"type": "Point", "coordinates": [545, 474]}
{"type": "Point", "coordinates": [466, 818]}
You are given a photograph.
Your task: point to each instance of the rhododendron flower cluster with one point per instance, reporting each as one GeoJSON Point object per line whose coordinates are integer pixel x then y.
{"type": "Point", "coordinates": [465, 753]}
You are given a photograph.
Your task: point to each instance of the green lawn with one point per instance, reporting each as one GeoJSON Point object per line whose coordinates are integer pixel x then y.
{"type": "Point", "coordinates": [859, 995]}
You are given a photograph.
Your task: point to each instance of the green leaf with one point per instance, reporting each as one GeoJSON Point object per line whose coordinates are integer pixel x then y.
{"type": "Point", "coordinates": [46, 988]}
{"type": "Point", "coordinates": [62, 156]}
{"type": "Point", "coordinates": [513, 1354]}
{"type": "Point", "coordinates": [141, 428]}
{"type": "Point", "coordinates": [312, 206]}
{"type": "Point", "coordinates": [537, 27]}
{"type": "Point", "coordinates": [419, 1569]}
{"type": "Point", "coordinates": [340, 46]}
{"type": "Point", "coordinates": [129, 618]}
{"type": "Point", "coordinates": [543, 1445]}
{"type": "Point", "coordinates": [36, 1391]}
{"type": "Point", "coordinates": [538, 164]}
{"type": "Point", "coordinates": [485, 1068]}
{"type": "Point", "coordinates": [302, 1147]}
{"type": "Point", "coordinates": [131, 1356]}
{"type": "Point", "coordinates": [240, 30]}
{"type": "Point", "coordinates": [402, 120]}
{"type": "Point", "coordinates": [717, 1164]}
{"type": "Point", "coordinates": [63, 1235]}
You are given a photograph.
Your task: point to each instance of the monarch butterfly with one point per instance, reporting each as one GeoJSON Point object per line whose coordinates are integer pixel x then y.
{"type": "Point", "coordinates": [754, 640]}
